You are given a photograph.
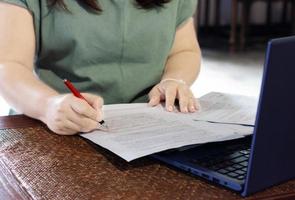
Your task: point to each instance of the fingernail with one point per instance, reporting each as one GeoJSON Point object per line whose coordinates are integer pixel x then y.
{"type": "Point", "coordinates": [170, 108]}
{"type": "Point", "coordinates": [193, 109]}
{"type": "Point", "coordinates": [185, 110]}
{"type": "Point", "coordinates": [151, 102]}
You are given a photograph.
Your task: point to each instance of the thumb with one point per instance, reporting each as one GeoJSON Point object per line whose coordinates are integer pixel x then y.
{"type": "Point", "coordinates": [155, 97]}
{"type": "Point", "coordinates": [96, 102]}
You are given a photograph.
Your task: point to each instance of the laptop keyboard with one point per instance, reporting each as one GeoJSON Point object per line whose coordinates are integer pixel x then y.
{"type": "Point", "coordinates": [231, 161]}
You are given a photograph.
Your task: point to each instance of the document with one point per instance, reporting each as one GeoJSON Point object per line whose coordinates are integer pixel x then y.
{"type": "Point", "coordinates": [227, 108]}
{"type": "Point", "coordinates": [137, 130]}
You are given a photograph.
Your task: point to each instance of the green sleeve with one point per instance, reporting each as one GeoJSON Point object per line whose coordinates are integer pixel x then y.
{"type": "Point", "coordinates": [21, 3]}
{"type": "Point", "coordinates": [186, 10]}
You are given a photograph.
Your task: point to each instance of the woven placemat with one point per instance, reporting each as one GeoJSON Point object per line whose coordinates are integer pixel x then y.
{"type": "Point", "coordinates": [49, 166]}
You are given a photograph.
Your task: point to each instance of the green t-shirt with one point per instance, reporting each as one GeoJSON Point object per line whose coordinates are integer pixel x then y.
{"type": "Point", "coordinates": [119, 54]}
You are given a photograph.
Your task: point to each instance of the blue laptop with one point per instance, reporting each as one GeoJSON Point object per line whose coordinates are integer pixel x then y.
{"type": "Point", "coordinates": [257, 162]}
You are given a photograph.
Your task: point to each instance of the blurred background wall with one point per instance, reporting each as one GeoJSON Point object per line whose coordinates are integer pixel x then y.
{"type": "Point", "coordinates": [258, 16]}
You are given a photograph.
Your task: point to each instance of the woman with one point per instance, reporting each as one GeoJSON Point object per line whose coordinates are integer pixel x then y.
{"type": "Point", "coordinates": [116, 51]}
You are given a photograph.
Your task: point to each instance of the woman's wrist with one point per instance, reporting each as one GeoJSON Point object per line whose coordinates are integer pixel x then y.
{"type": "Point", "coordinates": [47, 106]}
{"type": "Point", "coordinates": [181, 81]}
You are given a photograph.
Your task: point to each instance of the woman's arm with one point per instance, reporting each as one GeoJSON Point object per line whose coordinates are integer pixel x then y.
{"type": "Point", "coordinates": [185, 56]}
{"type": "Point", "coordinates": [24, 91]}
{"type": "Point", "coordinates": [17, 46]}
{"type": "Point", "coordinates": [182, 69]}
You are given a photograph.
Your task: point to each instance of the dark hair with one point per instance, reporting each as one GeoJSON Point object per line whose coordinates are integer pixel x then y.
{"type": "Point", "coordinates": [94, 4]}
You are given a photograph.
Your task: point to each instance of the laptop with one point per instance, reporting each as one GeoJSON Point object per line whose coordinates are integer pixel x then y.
{"type": "Point", "coordinates": [266, 158]}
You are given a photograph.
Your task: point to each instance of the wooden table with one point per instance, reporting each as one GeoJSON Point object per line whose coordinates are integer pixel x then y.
{"type": "Point", "coordinates": [37, 164]}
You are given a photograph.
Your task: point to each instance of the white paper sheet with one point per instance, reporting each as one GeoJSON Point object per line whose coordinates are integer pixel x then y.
{"type": "Point", "coordinates": [137, 130]}
{"type": "Point", "coordinates": [227, 108]}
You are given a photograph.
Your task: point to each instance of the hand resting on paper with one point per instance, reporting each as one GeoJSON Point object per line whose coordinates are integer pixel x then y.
{"type": "Point", "coordinates": [171, 90]}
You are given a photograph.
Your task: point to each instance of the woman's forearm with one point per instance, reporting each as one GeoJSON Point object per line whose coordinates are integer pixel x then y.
{"type": "Point", "coordinates": [184, 65]}
{"type": "Point", "coordinates": [23, 91]}
{"type": "Point", "coordinates": [185, 56]}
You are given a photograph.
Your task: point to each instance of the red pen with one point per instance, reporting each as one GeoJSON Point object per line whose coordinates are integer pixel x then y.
{"type": "Point", "coordinates": [76, 93]}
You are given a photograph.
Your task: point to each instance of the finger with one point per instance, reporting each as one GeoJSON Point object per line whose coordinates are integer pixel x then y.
{"type": "Point", "coordinates": [155, 97]}
{"type": "Point", "coordinates": [73, 127]}
{"type": "Point", "coordinates": [183, 97]}
{"type": "Point", "coordinates": [84, 124]}
{"type": "Point", "coordinates": [81, 107]}
{"type": "Point", "coordinates": [63, 131]}
{"type": "Point", "coordinates": [170, 95]}
{"type": "Point", "coordinates": [97, 104]}
{"type": "Point", "coordinates": [66, 131]}
{"type": "Point", "coordinates": [89, 125]}
{"type": "Point", "coordinates": [155, 100]}
{"type": "Point", "coordinates": [95, 101]}
{"type": "Point", "coordinates": [65, 127]}
{"type": "Point", "coordinates": [192, 105]}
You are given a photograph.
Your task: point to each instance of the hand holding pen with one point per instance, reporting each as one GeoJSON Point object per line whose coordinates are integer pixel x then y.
{"type": "Point", "coordinates": [101, 123]}
{"type": "Point", "coordinates": [65, 114]}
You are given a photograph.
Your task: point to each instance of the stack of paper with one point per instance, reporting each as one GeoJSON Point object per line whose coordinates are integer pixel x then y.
{"type": "Point", "coordinates": [137, 130]}
{"type": "Point", "coordinates": [226, 108]}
